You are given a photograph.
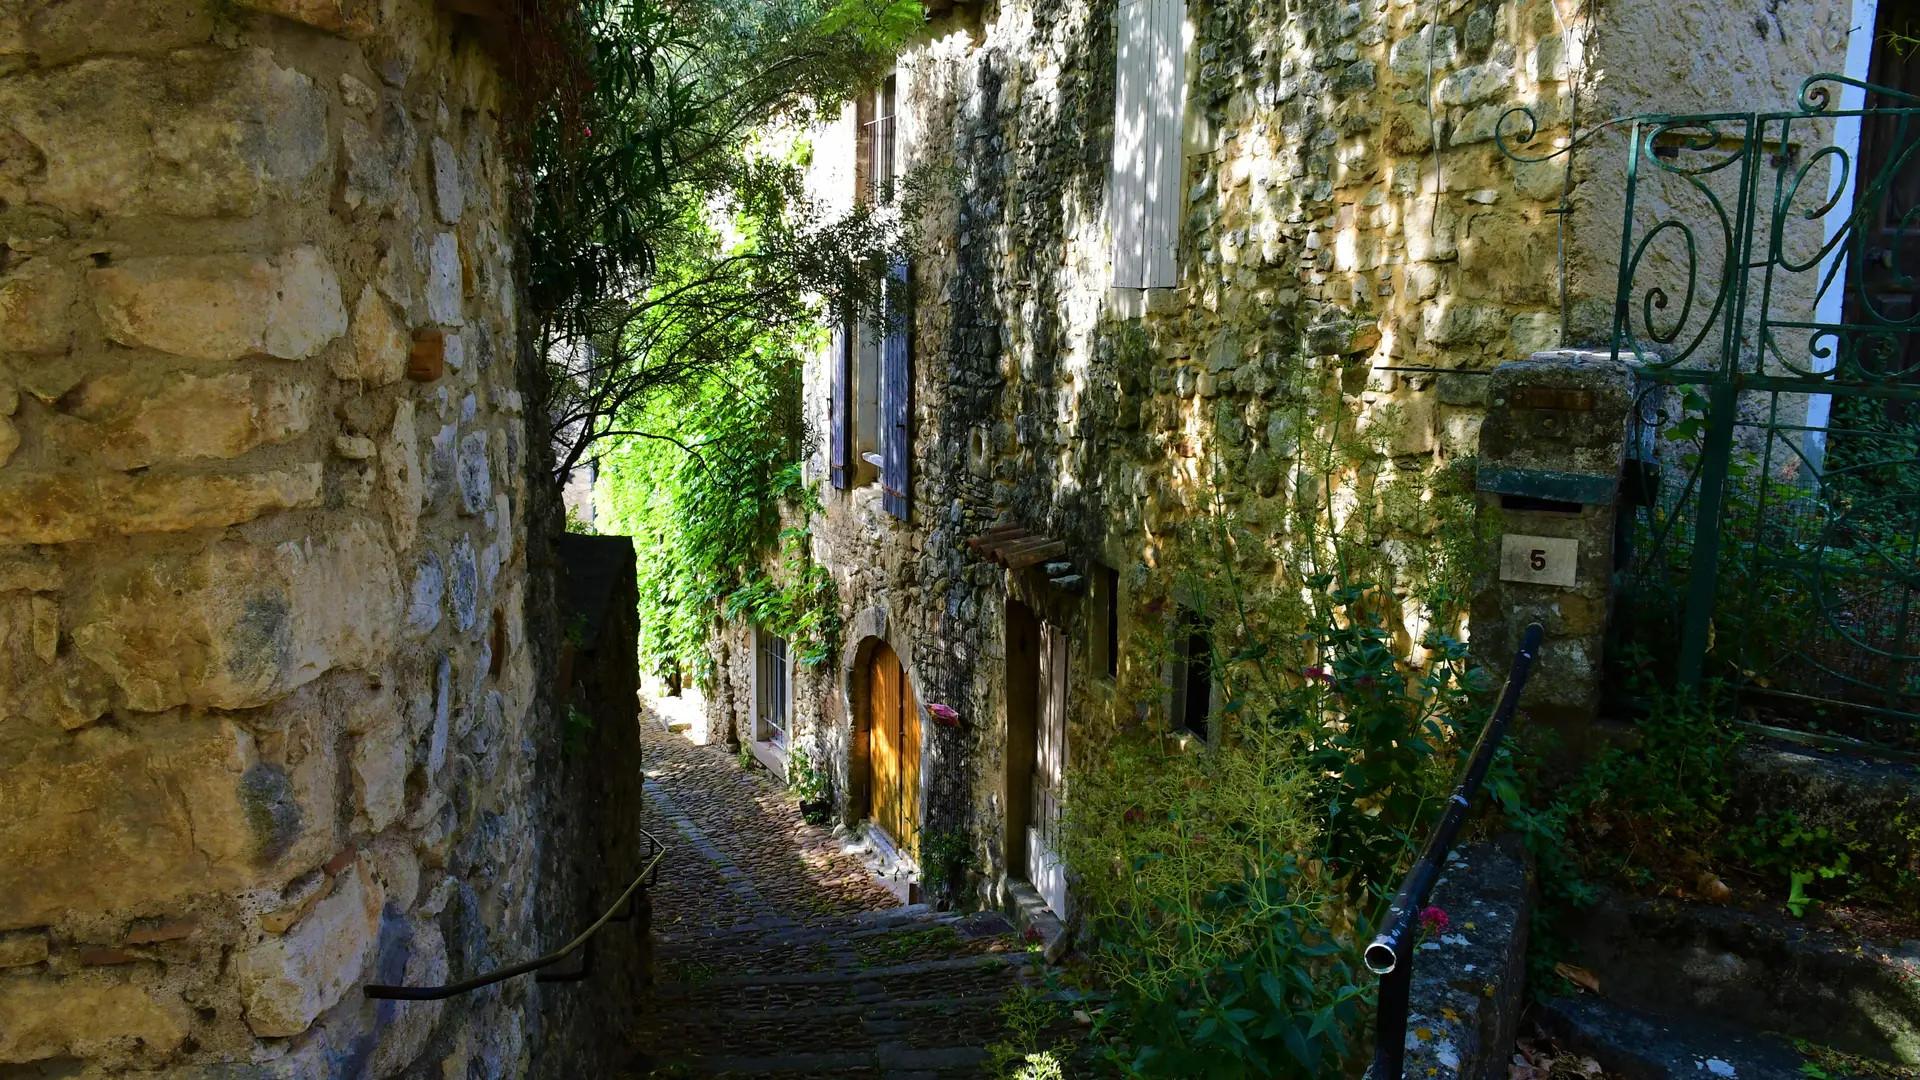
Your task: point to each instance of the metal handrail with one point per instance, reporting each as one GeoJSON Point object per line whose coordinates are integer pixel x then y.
{"type": "Point", "coordinates": [1391, 954]}
{"type": "Point", "coordinates": [437, 993]}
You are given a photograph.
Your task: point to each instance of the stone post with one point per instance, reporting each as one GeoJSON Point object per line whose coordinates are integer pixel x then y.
{"type": "Point", "coordinates": [1551, 453]}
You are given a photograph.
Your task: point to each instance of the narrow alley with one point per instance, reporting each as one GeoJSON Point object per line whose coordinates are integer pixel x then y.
{"type": "Point", "coordinates": [779, 953]}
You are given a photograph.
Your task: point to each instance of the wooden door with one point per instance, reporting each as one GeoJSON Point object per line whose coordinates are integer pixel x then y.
{"type": "Point", "coordinates": [893, 748]}
{"type": "Point", "coordinates": [1048, 788]}
{"type": "Point", "coordinates": [1884, 290]}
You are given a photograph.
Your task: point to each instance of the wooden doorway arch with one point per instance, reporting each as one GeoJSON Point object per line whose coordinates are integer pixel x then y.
{"type": "Point", "coordinates": [893, 748]}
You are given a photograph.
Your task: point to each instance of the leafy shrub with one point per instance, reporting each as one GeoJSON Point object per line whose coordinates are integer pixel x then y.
{"type": "Point", "coordinates": [948, 864]}
{"type": "Point", "coordinates": [1226, 888]}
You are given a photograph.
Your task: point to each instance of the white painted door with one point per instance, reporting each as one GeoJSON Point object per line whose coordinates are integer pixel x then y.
{"type": "Point", "coordinates": [1044, 868]}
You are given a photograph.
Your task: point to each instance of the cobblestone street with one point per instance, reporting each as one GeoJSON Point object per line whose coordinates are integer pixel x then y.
{"type": "Point", "coordinates": [747, 855]}
{"type": "Point", "coordinates": [779, 954]}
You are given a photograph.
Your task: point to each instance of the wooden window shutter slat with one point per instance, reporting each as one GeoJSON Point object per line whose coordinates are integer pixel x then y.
{"type": "Point", "coordinates": [1132, 130]}
{"type": "Point", "coordinates": [840, 459]}
{"type": "Point", "coordinates": [896, 389]}
{"type": "Point", "coordinates": [1167, 96]}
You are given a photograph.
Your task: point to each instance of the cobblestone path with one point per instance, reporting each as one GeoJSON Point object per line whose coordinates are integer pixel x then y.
{"type": "Point", "coordinates": [778, 954]}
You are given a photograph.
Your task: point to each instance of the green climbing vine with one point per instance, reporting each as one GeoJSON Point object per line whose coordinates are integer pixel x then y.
{"type": "Point", "coordinates": [721, 516]}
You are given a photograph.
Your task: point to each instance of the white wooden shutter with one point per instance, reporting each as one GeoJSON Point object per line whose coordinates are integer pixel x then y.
{"type": "Point", "coordinates": [1131, 129]}
{"type": "Point", "coordinates": [1149, 101]}
{"type": "Point", "coordinates": [1165, 163]}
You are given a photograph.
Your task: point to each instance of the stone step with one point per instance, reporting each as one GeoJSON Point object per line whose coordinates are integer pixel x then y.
{"type": "Point", "coordinates": [888, 1062]}
{"type": "Point", "coordinates": [958, 977]}
{"type": "Point", "coordinates": [1645, 1046]}
{"type": "Point", "coordinates": [1756, 971]}
{"type": "Point", "coordinates": [886, 920]}
{"type": "Point", "coordinates": [929, 1023]}
{"type": "Point", "coordinates": [784, 954]}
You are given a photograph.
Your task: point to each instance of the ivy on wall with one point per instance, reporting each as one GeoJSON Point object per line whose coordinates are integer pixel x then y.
{"type": "Point", "coordinates": [720, 514]}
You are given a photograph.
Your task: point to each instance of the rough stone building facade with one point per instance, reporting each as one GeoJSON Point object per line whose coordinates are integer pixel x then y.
{"type": "Point", "coordinates": [1173, 254]}
{"type": "Point", "coordinates": [270, 717]}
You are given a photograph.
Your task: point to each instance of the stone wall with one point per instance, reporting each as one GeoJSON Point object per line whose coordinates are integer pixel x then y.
{"type": "Point", "coordinates": [1347, 212]}
{"type": "Point", "coordinates": [267, 701]}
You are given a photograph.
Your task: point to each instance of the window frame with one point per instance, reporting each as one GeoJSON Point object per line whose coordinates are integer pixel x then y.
{"type": "Point", "coordinates": [1193, 634]}
{"type": "Point", "coordinates": [772, 689]}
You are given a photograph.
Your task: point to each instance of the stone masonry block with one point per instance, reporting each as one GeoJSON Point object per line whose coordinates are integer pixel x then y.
{"type": "Point", "coordinates": [354, 19]}
{"type": "Point", "coordinates": [444, 281]}
{"type": "Point", "coordinates": [381, 759]}
{"type": "Point", "coordinates": [400, 473]}
{"type": "Point", "coordinates": [22, 948]}
{"type": "Point", "coordinates": [235, 626]}
{"type": "Point", "coordinates": [287, 981]}
{"type": "Point", "coordinates": [380, 344]}
{"type": "Point", "coordinates": [112, 818]}
{"type": "Point", "coordinates": [223, 307]}
{"type": "Point", "coordinates": [66, 507]}
{"type": "Point", "coordinates": [205, 133]}
{"type": "Point", "coordinates": [86, 1015]}
{"type": "Point", "coordinates": [36, 300]}
{"type": "Point", "coordinates": [137, 418]}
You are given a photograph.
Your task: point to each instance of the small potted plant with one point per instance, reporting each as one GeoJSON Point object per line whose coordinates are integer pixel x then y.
{"type": "Point", "coordinates": [810, 786]}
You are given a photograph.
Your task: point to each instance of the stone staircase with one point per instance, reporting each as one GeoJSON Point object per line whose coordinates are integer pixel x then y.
{"type": "Point", "coordinates": [1693, 990]}
{"type": "Point", "coordinates": [901, 994]}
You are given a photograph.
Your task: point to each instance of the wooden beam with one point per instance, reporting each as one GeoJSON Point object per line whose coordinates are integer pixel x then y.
{"type": "Point", "coordinates": [1025, 556]}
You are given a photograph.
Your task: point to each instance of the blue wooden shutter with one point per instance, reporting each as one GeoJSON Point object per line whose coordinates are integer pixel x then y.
{"type": "Point", "coordinates": [896, 387]}
{"type": "Point", "coordinates": [840, 439]}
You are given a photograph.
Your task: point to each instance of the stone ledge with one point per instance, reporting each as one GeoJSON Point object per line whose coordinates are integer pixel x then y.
{"type": "Point", "coordinates": [1469, 985]}
{"type": "Point", "coordinates": [64, 508]}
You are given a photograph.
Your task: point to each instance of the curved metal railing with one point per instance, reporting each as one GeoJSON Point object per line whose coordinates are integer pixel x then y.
{"type": "Point", "coordinates": [1391, 954]}
{"type": "Point", "coordinates": [582, 944]}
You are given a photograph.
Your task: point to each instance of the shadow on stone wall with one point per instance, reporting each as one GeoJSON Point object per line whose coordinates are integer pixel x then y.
{"type": "Point", "coordinates": [592, 783]}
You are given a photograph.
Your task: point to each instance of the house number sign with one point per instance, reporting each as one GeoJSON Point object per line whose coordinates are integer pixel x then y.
{"type": "Point", "coordinates": [1539, 560]}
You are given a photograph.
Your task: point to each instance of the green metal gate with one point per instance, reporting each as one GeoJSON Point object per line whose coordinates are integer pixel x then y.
{"type": "Point", "coordinates": [1769, 290]}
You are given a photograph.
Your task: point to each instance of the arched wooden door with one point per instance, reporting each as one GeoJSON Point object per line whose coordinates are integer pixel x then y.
{"type": "Point", "coordinates": [893, 748]}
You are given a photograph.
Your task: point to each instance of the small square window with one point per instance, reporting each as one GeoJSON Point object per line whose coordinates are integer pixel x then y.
{"type": "Point", "coordinates": [1192, 673]}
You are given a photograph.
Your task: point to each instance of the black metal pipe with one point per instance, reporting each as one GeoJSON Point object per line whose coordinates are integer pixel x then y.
{"type": "Point", "coordinates": [1390, 956]}
{"type": "Point", "coordinates": [438, 993]}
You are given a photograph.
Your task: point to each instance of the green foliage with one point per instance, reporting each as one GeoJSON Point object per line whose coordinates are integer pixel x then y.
{"type": "Point", "coordinates": [1026, 1054]}
{"type": "Point", "coordinates": [947, 862]}
{"type": "Point", "coordinates": [573, 737]}
{"type": "Point", "coordinates": [705, 507]}
{"type": "Point", "coordinates": [1225, 887]}
{"type": "Point", "coordinates": [1779, 843]}
{"type": "Point", "coordinates": [669, 230]}
{"type": "Point", "coordinates": [808, 783]}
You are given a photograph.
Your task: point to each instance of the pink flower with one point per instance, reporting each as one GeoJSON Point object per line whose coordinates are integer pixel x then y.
{"type": "Point", "coordinates": [1318, 673]}
{"type": "Point", "coordinates": [1434, 921]}
{"type": "Point", "coordinates": [944, 715]}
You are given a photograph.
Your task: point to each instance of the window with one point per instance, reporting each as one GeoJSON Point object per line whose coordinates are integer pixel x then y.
{"type": "Point", "coordinates": [875, 165]}
{"type": "Point", "coordinates": [872, 366]}
{"type": "Point", "coordinates": [1103, 631]}
{"type": "Point", "coordinates": [1111, 579]}
{"type": "Point", "coordinates": [1192, 673]}
{"type": "Point", "coordinates": [1150, 82]}
{"type": "Point", "coordinates": [772, 700]}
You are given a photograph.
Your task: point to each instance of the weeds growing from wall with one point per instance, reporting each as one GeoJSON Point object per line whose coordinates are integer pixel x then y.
{"type": "Point", "coordinates": [1227, 880]}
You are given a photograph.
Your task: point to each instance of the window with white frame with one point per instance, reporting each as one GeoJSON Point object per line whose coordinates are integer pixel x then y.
{"type": "Point", "coordinates": [1150, 80]}
{"type": "Point", "coordinates": [773, 693]}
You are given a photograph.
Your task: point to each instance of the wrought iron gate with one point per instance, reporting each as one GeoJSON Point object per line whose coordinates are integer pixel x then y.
{"type": "Point", "coordinates": [1769, 291]}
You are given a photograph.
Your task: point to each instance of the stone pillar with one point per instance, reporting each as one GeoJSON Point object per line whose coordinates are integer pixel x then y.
{"type": "Point", "coordinates": [266, 696]}
{"type": "Point", "coordinates": [1551, 453]}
